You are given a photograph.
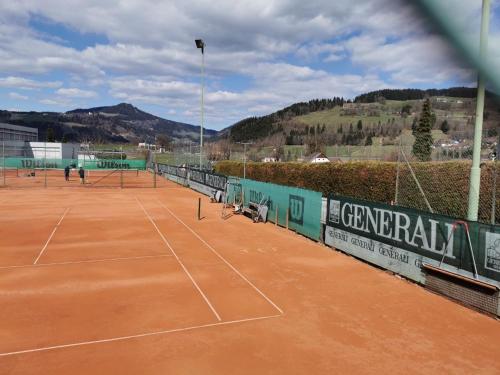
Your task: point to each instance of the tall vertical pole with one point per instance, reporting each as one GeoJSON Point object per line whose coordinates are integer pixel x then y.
{"type": "Point", "coordinates": [45, 163]}
{"type": "Point", "coordinates": [244, 160]}
{"type": "Point", "coordinates": [202, 104]}
{"type": "Point", "coordinates": [3, 160]}
{"type": "Point", "coordinates": [121, 167]}
{"type": "Point", "coordinates": [475, 172]}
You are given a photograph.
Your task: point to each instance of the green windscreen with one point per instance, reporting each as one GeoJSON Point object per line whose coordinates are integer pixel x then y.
{"type": "Point", "coordinates": [303, 206]}
{"type": "Point", "coordinates": [30, 163]}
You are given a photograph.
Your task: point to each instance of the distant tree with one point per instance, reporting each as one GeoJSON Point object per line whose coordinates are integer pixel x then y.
{"type": "Point", "coordinates": [163, 140]}
{"type": "Point", "coordinates": [406, 110]}
{"type": "Point", "coordinates": [445, 127]}
{"type": "Point", "coordinates": [414, 125]}
{"type": "Point", "coordinates": [50, 135]}
{"type": "Point", "coordinates": [359, 125]}
{"type": "Point", "coordinates": [64, 139]}
{"type": "Point", "coordinates": [369, 140]}
{"type": "Point", "coordinates": [422, 147]}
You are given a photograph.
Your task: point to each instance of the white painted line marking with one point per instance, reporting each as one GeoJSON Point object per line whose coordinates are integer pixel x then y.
{"type": "Point", "coordinates": [122, 338]}
{"type": "Point", "coordinates": [86, 261]}
{"type": "Point", "coordinates": [223, 259]}
{"type": "Point", "coordinates": [178, 260]}
{"type": "Point", "coordinates": [51, 235]}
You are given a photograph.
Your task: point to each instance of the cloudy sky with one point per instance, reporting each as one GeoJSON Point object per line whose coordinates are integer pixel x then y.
{"type": "Point", "coordinates": [261, 55]}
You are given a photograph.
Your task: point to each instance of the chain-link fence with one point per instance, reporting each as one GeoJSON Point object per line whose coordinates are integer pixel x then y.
{"type": "Point", "coordinates": [442, 186]}
{"type": "Point", "coordinates": [44, 164]}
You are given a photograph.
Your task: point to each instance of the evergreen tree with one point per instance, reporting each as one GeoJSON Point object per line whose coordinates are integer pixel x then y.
{"type": "Point", "coordinates": [422, 147]}
{"type": "Point", "coordinates": [359, 125]}
{"type": "Point", "coordinates": [369, 140]}
{"type": "Point", "coordinates": [50, 135]}
{"type": "Point", "coordinates": [414, 125]}
{"type": "Point", "coordinates": [445, 127]}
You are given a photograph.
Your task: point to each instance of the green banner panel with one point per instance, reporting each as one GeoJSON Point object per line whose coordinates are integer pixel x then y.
{"type": "Point", "coordinates": [393, 236]}
{"type": "Point", "coordinates": [31, 163]}
{"type": "Point", "coordinates": [303, 206]}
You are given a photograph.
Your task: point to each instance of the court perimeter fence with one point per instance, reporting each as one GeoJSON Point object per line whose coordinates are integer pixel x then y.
{"type": "Point", "coordinates": [295, 208]}
{"type": "Point", "coordinates": [24, 172]}
{"type": "Point", "coordinates": [419, 245]}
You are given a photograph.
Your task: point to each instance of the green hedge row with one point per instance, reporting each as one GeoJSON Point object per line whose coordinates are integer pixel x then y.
{"type": "Point", "coordinates": [446, 184]}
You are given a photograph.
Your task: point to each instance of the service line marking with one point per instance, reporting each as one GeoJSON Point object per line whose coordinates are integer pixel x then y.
{"type": "Point", "coordinates": [51, 235]}
{"type": "Point", "coordinates": [122, 338]}
{"type": "Point", "coordinates": [222, 258]}
{"type": "Point", "coordinates": [180, 262]}
{"type": "Point", "coordinates": [86, 261]}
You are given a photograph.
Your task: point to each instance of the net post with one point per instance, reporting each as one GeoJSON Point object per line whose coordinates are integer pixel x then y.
{"type": "Point", "coordinates": [199, 208]}
{"type": "Point", "coordinates": [276, 220]}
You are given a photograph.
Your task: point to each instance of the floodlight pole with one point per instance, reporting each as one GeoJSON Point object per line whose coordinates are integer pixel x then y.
{"type": "Point", "coordinates": [475, 172]}
{"type": "Point", "coordinates": [201, 45]}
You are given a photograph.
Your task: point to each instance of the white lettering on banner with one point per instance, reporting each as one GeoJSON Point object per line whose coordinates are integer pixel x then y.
{"type": "Point", "coordinates": [392, 258]}
{"type": "Point", "coordinates": [394, 225]}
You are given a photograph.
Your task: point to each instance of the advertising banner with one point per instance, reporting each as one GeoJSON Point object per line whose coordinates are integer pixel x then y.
{"type": "Point", "coordinates": [400, 239]}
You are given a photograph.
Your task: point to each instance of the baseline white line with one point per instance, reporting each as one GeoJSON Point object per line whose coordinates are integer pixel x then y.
{"type": "Point", "coordinates": [122, 338]}
{"type": "Point", "coordinates": [86, 261]}
{"type": "Point", "coordinates": [223, 259]}
{"type": "Point", "coordinates": [51, 235]}
{"type": "Point", "coordinates": [180, 262]}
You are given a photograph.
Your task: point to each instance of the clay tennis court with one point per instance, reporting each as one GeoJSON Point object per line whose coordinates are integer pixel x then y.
{"type": "Point", "coordinates": [128, 281]}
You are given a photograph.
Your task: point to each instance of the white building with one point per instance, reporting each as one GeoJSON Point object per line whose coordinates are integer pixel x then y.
{"type": "Point", "coordinates": [318, 157]}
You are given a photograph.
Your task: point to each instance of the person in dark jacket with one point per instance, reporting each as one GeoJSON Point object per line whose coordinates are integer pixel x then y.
{"type": "Point", "coordinates": [81, 173]}
{"type": "Point", "coordinates": [66, 173]}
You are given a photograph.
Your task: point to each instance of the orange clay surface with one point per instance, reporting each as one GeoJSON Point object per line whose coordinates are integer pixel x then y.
{"type": "Point", "coordinates": [128, 281]}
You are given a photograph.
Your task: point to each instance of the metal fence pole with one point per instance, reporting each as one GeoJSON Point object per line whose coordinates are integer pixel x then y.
{"type": "Point", "coordinates": [45, 163]}
{"type": "Point", "coordinates": [494, 194]}
{"type": "Point", "coordinates": [396, 196]}
{"type": "Point", "coordinates": [3, 162]}
{"type": "Point", "coordinates": [121, 167]}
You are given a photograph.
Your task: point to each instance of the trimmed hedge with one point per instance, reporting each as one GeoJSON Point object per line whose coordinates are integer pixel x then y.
{"type": "Point", "coordinates": [446, 184]}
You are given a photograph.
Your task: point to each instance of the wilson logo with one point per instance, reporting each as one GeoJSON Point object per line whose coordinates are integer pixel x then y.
{"type": "Point", "coordinates": [296, 205]}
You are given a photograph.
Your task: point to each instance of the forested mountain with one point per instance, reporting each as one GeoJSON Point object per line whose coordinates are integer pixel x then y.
{"type": "Point", "coordinates": [118, 123]}
{"type": "Point", "coordinates": [258, 127]}
{"type": "Point", "coordinates": [416, 94]}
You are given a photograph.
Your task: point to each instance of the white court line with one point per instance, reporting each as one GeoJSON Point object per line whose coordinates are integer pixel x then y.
{"type": "Point", "coordinates": [180, 262]}
{"type": "Point", "coordinates": [51, 235]}
{"type": "Point", "coordinates": [86, 261]}
{"type": "Point", "coordinates": [223, 259]}
{"type": "Point", "coordinates": [122, 338]}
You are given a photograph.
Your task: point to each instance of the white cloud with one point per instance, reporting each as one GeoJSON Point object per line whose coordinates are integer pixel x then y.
{"type": "Point", "coordinates": [17, 96]}
{"type": "Point", "coordinates": [76, 93]}
{"type": "Point", "coordinates": [26, 84]}
{"type": "Point", "coordinates": [151, 57]}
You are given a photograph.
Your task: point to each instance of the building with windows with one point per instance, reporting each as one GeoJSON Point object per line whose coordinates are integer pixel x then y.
{"type": "Point", "coordinates": [18, 133]}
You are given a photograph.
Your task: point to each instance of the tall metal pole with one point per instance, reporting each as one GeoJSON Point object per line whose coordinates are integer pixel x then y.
{"type": "Point", "coordinates": [202, 103]}
{"type": "Point", "coordinates": [475, 172]}
{"type": "Point", "coordinates": [244, 160]}
{"type": "Point", "coordinates": [3, 160]}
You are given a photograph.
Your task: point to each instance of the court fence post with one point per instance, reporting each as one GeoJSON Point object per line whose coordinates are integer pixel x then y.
{"type": "Point", "coordinates": [121, 167]}
{"type": "Point", "coordinates": [45, 164]}
{"type": "Point", "coordinates": [3, 161]}
{"type": "Point", "coordinates": [154, 170]}
{"type": "Point", "coordinates": [287, 213]}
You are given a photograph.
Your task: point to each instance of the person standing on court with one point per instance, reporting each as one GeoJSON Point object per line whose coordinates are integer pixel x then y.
{"type": "Point", "coordinates": [81, 173]}
{"type": "Point", "coordinates": [66, 173]}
